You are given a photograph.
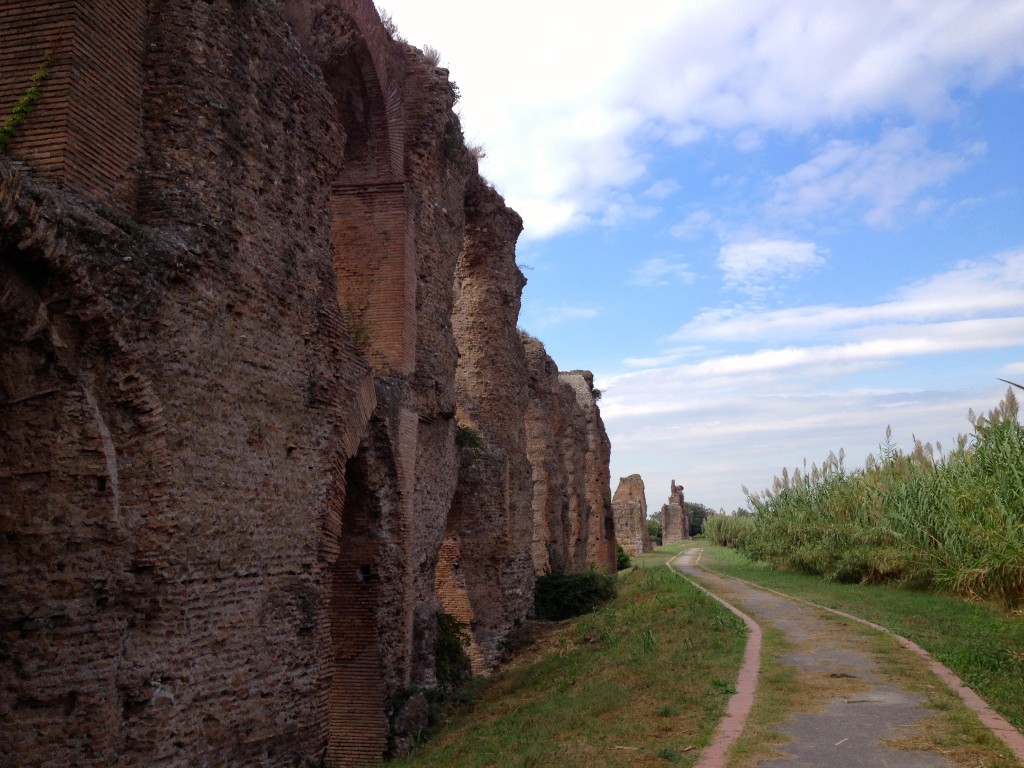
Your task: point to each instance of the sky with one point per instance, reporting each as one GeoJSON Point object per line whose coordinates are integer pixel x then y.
{"type": "Point", "coordinates": [771, 229]}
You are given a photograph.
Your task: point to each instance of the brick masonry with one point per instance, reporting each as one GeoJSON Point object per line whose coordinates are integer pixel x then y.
{"type": "Point", "coordinates": [629, 505]}
{"type": "Point", "coordinates": [86, 129]}
{"type": "Point", "coordinates": [231, 499]}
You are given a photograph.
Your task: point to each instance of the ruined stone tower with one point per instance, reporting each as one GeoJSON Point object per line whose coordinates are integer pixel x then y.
{"type": "Point", "coordinates": [675, 525]}
{"type": "Point", "coordinates": [629, 505]}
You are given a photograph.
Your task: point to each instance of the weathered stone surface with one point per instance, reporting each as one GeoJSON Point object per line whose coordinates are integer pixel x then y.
{"type": "Point", "coordinates": [569, 452]}
{"type": "Point", "coordinates": [231, 357]}
{"type": "Point", "coordinates": [180, 406]}
{"type": "Point", "coordinates": [601, 533]}
{"type": "Point", "coordinates": [629, 505]}
{"type": "Point", "coordinates": [675, 526]}
{"type": "Point", "coordinates": [492, 516]}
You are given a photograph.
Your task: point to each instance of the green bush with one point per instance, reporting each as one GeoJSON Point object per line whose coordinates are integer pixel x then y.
{"type": "Point", "coordinates": [451, 662]}
{"type": "Point", "coordinates": [622, 561]}
{"type": "Point", "coordinates": [560, 595]}
{"type": "Point", "coordinates": [654, 531]}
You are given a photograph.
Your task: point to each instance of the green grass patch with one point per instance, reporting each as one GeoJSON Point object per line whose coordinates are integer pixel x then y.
{"type": "Point", "coordinates": [981, 643]}
{"type": "Point", "coordinates": [642, 681]}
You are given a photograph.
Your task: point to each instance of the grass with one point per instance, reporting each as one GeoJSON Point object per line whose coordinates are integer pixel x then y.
{"type": "Point", "coordinates": [642, 681]}
{"type": "Point", "coordinates": [980, 642]}
{"type": "Point", "coordinates": [955, 731]}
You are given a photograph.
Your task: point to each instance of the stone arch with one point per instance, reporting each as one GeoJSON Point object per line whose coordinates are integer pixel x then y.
{"type": "Point", "coordinates": [371, 217]}
{"type": "Point", "coordinates": [356, 698]}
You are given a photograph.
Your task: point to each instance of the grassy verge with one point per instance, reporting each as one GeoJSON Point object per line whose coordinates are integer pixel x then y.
{"type": "Point", "coordinates": [641, 682]}
{"type": "Point", "coordinates": [981, 643]}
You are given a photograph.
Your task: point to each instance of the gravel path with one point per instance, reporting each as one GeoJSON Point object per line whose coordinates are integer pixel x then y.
{"type": "Point", "coordinates": [857, 705]}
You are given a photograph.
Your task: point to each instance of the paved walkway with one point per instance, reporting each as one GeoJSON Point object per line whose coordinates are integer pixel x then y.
{"type": "Point", "coordinates": [860, 706]}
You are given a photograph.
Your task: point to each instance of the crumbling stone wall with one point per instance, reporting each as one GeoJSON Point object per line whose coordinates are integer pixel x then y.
{"type": "Point", "coordinates": [555, 446]}
{"type": "Point", "coordinates": [491, 516]}
{"type": "Point", "coordinates": [180, 401]}
{"type": "Point", "coordinates": [629, 505]}
{"type": "Point", "coordinates": [398, 226]}
{"type": "Point", "coordinates": [601, 534]}
{"type": "Point", "coordinates": [566, 444]}
{"type": "Point", "coordinates": [228, 392]}
{"type": "Point", "coordinates": [675, 526]}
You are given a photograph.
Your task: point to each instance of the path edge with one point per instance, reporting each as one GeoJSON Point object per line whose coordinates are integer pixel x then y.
{"type": "Point", "coordinates": [999, 725]}
{"type": "Point", "coordinates": [740, 703]}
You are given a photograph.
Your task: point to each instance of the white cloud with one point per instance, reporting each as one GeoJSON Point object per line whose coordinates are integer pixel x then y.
{"type": "Point", "coordinates": [661, 189]}
{"type": "Point", "coordinates": [550, 316]}
{"type": "Point", "coordinates": [625, 209]}
{"type": "Point", "coordinates": [753, 264]}
{"type": "Point", "coordinates": [884, 177]}
{"type": "Point", "coordinates": [661, 272]}
{"type": "Point", "coordinates": [560, 114]}
{"type": "Point", "coordinates": [694, 224]}
{"type": "Point", "coordinates": [972, 289]}
{"type": "Point", "coordinates": [669, 358]}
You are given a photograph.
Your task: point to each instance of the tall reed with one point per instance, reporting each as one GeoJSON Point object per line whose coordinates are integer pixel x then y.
{"type": "Point", "coordinates": [953, 521]}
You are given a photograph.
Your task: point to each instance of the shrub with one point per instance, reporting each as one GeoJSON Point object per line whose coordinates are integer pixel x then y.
{"type": "Point", "coordinates": [467, 437]}
{"type": "Point", "coordinates": [728, 530]}
{"type": "Point", "coordinates": [654, 531]}
{"type": "Point", "coordinates": [559, 596]}
{"type": "Point", "coordinates": [622, 561]}
{"type": "Point", "coordinates": [451, 662]}
{"type": "Point", "coordinates": [951, 521]}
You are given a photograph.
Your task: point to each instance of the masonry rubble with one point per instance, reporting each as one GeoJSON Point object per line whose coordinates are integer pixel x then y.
{"type": "Point", "coordinates": [252, 291]}
{"type": "Point", "coordinates": [629, 504]}
{"type": "Point", "coordinates": [675, 524]}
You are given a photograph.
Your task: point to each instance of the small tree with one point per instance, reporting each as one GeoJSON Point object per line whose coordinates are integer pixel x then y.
{"type": "Point", "coordinates": [622, 561]}
{"type": "Point", "coordinates": [654, 530]}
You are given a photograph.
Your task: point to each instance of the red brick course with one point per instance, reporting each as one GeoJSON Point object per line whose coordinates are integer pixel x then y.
{"type": "Point", "coordinates": [86, 129]}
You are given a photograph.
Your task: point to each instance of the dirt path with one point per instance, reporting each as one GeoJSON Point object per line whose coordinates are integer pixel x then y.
{"type": "Point", "coordinates": [847, 707]}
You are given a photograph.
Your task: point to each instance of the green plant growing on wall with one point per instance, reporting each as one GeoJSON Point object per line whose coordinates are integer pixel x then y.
{"type": "Point", "coordinates": [467, 437]}
{"type": "Point", "coordinates": [359, 326]}
{"type": "Point", "coordinates": [24, 106]}
{"type": "Point", "coordinates": [451, 662]}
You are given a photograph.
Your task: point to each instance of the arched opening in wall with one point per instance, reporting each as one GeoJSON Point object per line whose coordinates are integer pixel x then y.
{"type": "Point", "coordinates": [356, 700]}
{"type": "Point", "coordinates": [371, 223]}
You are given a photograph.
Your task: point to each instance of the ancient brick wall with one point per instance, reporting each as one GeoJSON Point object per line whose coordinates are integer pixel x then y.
{"type": "Point", "coordinates": [86, 128]}
{"type": "Point", "coordinates": [674, 524]}
{"type": "Point", "coordinates": [601, 535]}
{"type": "Point", "coordinates": [569, 451]}
{"type": "Point", "coordinates": [629, 505]}
{"type": "Point", "coordinates": [491, 511]}
{"type": "Point", "coordinates": [228, 460]}
{"type": "Point", "coordinates": [179, 405]}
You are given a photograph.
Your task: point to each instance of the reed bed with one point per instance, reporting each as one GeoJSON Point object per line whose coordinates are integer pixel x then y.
{"type": "Point", "coordinates": [949, 521]}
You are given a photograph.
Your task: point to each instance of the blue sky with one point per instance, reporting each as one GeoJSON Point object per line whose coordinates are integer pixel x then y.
{"type": "Point", "coordinates": [770, 229]}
